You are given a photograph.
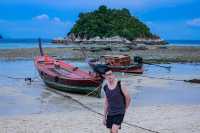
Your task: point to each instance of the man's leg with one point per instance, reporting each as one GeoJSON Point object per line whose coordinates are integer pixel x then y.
{"type": "Point", "coordinates": [115, 128]}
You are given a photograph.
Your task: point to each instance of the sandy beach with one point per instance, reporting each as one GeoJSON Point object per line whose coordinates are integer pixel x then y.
{"type": "Point", "coordinates": [163, 119]}
{"type": "Point", "coordinates": [160, 118]}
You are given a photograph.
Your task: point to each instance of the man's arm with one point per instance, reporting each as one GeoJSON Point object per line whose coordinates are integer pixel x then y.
{"type": "Point", "coordinates": [127, 96]}
{"type": "Point", "coordinates": [105, 110]}
{"type": "Point", "coordinates": [105, 107]}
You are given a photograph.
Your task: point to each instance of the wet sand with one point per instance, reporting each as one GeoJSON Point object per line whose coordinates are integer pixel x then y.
{"type": "Point", "coordinates": [150, 53]}
{"type": "Point", "coordinates": [161, 118]}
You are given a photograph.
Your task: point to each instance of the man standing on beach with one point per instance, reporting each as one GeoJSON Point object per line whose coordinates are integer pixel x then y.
{"type": "Point", "coordinates": [117, 101]}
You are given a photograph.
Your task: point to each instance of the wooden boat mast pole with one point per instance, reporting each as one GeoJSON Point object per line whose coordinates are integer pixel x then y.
{"type": "Point", "coordinates": [40, 47]}
{"type": "Point", "coordinates": [83, 52]}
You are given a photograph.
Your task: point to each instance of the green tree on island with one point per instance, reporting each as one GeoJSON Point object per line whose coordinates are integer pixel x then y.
{"type": "Point", "coordinates": [106, 22]}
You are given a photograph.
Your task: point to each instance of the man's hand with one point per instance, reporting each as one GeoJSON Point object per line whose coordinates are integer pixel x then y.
{"type": "Point", "coordinates": [104, 121]}
{"type": "Point", "coordinates": [127, 97]}
{"type": "Point", "coordinates": [126, 110]}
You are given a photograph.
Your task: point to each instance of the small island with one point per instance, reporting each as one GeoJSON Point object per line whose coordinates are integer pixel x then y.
{"type": "Point", "coordinates": [111, 25]}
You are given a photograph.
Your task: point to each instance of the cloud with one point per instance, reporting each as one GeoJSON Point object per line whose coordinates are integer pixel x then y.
{"type": "Point", "coordinates": [46, 18]}
{"type": "Point", "coordinates": [194, 22]}
{"type": "Point", "coordinates": [42, 17]}
{"type": "Point", "coordinates": [34, 28]}
{"type": "Point", "coordinates": [173, 30]}
{"type": "Point", "coordinates": [57, 20]}
{"type": "Point", "coordinates": [148, 22]}
{"type": "Point", "coordinates": [52, 22]}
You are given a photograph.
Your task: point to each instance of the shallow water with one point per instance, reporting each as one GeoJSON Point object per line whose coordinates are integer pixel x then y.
{"type": "Point", "coordinates": [184, 42]}
{"type": "Point", "coordinates": [18, 97]}
{"type": "Point", "coordinates": [160, 91]}
{"type": "Point", "coordinates": [33, 43]}
{"type": "Point", "coordinates": [26, 43]}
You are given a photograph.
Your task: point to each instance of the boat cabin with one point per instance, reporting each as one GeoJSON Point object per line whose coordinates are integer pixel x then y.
{"type": "Point", "coordinates": [117, 60]}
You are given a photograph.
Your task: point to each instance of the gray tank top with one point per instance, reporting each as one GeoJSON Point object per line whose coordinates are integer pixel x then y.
{"type": "Point", "coordinates": [116, 100]}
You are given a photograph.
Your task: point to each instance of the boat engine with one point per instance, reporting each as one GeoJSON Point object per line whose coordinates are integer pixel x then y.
{"type": "Point", "coordinates": [138, 59]}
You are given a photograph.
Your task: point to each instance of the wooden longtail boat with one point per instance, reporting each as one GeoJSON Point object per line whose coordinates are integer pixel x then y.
{"type": "Point", "coordinates": [119, 63]}
{"type": "Point", "coordinates": [62, 76]}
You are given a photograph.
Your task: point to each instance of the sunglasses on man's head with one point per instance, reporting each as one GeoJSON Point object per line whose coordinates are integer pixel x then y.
{"type": "Point", "coordinates": [108, 74]}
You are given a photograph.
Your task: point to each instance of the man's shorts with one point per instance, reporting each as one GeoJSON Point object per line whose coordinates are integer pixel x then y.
{"type": "Point", "coordinates": [115, 119]}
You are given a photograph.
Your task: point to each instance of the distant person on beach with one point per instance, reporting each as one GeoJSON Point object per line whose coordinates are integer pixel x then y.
{"type": "Point", "coordinates": [117, 101]}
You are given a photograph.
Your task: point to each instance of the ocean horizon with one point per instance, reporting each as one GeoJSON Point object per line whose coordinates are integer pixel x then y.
{"type": "Point", "coordinates": [184, 42]}
{"type": "Point", "coordinates": [24, 43]}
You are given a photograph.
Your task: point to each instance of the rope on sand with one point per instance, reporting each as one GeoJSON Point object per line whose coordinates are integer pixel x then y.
{"type": "Point", "coordinates": [197, 81]}
{"type": "Point", "coordinates": [30, 79]}
{"type": "Point", "coordinates": [161, 78]}
{"type": "Point", "coordinates": [91, 110]}
{"type": "Point", "coordinates": [34, 79]}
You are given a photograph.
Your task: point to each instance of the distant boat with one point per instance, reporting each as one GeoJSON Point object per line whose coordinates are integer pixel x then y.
{"type": "Point", "coordinates": [66, 77]}
{"type": "Point", "coordinates": [119, 63]}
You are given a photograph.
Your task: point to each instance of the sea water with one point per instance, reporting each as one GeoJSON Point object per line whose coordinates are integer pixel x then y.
{"type": "Point", "coordinates": [184, 42]}
{"type": "Point", "coordinates": [168, 86]}
{"type": "Point", "coordinates": [18, 97]}
{"type": "Point", "coordinates": [26, 43]}
{"type": "Point", "coordinates": [33, 43]}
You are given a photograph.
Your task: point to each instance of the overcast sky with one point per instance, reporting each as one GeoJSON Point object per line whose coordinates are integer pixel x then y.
{"type": "Point", "coordinates": [170, 19]}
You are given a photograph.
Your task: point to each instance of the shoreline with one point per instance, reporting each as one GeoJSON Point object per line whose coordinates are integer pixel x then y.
{"type": "Point", "coordinates": [155, 54]}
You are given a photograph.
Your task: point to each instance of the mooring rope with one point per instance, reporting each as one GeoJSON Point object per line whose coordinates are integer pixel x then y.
{"type": "Point", "coordinates": [100, 114]}
{"type": "Point", "coordinates": [160, 78]}
{"type": "Point", "coordinates": [11, 77]}
{"type": "Point", "coordinates": [30, 79]}
{"type": "Point", "coordinates": [34, 79]}
{"type": "Point", "coordinates": [167, 67]}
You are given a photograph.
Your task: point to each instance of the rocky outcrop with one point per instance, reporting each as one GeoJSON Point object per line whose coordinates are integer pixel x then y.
{"type": "Point", "coordinates": [115, 39]}
{"type": "Point", "coordinates": [147, 41]}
